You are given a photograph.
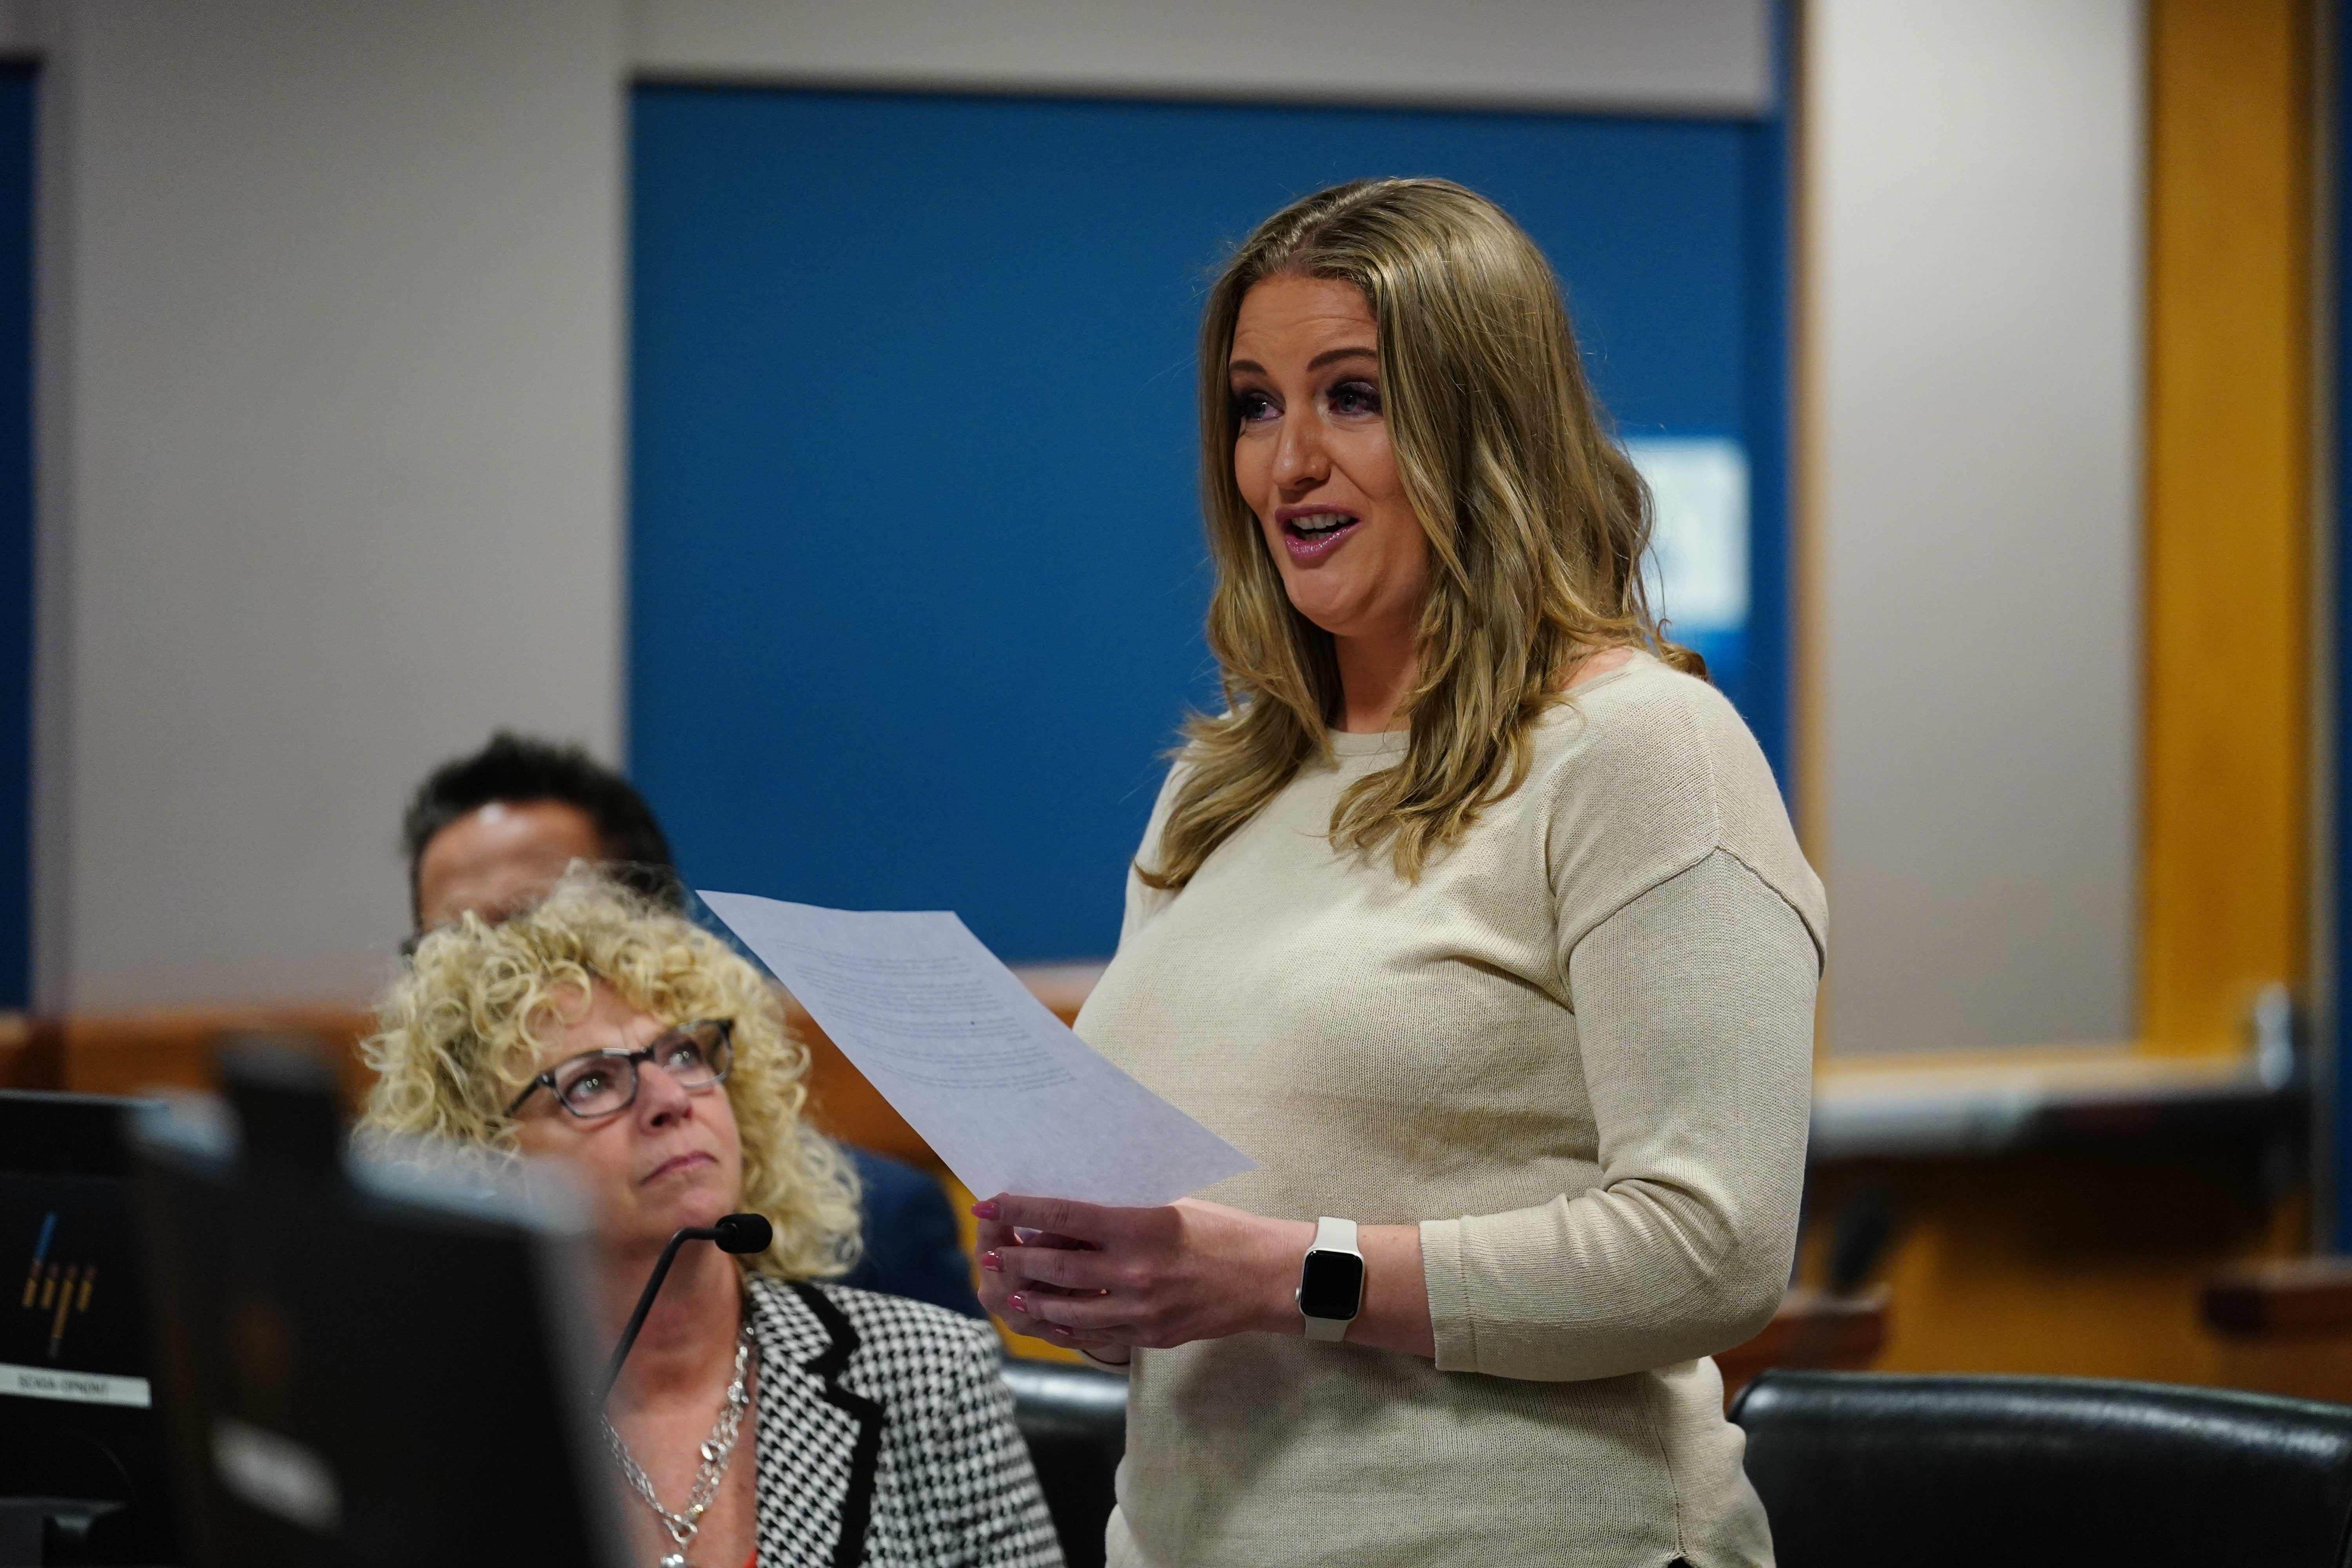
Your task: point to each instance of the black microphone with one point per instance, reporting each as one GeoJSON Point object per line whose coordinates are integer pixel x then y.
{"type": "Point", "coordinates": [736, 1233]}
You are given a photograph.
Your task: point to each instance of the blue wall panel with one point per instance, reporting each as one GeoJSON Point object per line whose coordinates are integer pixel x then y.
{"type": "Point", "coordinates": [16, 531]}
{"type": "Point", "coordinates": [917, 573]}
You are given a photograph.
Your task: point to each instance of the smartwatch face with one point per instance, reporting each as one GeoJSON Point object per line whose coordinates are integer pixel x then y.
{"type": "Point", "coordinates": [1331, 1285]}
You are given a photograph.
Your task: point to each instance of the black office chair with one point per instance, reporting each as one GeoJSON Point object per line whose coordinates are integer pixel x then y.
{"type": "Point", "coordinates": [1074, 1419]}
{"type": "Point", "coordinates": [1870, 1469]}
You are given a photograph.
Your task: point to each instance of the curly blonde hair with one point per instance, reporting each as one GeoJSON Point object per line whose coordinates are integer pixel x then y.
{"type": "Point", "coordinates": [460, 1034]}
{"type": "Point", "coordinates": [1536, 519]}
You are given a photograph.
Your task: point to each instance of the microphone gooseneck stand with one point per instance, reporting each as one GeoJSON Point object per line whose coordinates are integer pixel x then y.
{"type": "Point", "coordinates": [736, 1233]}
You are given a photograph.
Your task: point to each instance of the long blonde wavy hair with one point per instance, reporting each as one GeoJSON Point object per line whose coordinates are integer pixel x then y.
{"type": "Point", "coordinates": [1537, 524]}
{"type": "Point", "coordinates": [461, 1032]}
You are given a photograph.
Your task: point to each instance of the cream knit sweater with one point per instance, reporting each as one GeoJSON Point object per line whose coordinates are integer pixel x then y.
{"type": "Point", "coordinates": [1579, 1054]}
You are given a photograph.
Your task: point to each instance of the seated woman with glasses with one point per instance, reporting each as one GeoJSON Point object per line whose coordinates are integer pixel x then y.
{"type": "Point", "coordinates": [632, 1046]}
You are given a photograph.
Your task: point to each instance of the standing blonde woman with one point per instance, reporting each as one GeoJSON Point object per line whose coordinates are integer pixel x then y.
{"type": "Point", "coordinates": [1477, 920]}
{"type": "Point", "coordinates": [760, 1409]}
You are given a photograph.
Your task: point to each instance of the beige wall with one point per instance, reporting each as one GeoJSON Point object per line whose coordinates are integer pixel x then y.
{"type": "Point", "coordinates": [329, 405]}
{"type": "Point", "coordinates": [1975, 254]}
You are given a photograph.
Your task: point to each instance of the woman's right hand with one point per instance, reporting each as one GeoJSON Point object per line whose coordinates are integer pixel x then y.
{"type": "Point", "coordinates": [1091, 1276]}
{"type": "Point", "coordinates": [995, 1290]}
{"type": "Point", "coordinates": [1104, 1281]}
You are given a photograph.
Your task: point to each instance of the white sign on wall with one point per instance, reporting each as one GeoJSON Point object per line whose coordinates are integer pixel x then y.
{"type": "Point", "coordinates": [1697, 570]}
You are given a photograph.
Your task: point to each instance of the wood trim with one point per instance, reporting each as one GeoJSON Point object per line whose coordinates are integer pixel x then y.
{"type": "Point", "coordinates": [2319, 1015]}
{"type": "Point", "coordinates": [2280, 1297]}
{"type": "Point", "coordinates": [137, 1053]}
{"type": "Point", "coordinates": [2225, 805]}
{"type": "Point", "coordinates": [1813, 1329]}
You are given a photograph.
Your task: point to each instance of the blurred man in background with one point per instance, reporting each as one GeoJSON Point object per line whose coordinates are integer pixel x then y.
{"type": "Point", "coordinates": [491, 832]}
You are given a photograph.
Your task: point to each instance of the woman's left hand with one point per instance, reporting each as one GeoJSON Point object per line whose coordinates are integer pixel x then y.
{"type": "Point", "coordinates": [1086, 1276]}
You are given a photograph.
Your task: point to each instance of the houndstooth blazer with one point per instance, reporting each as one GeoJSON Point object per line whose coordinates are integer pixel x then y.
{"type": "Point", "coordinates": [885, 1437]}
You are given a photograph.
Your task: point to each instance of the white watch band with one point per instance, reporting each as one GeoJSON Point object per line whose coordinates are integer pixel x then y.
{"type": "Point", "coordinates": [1333, 1236]}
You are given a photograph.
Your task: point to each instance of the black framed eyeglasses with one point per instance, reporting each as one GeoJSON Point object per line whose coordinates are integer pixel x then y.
{"type": "Point", "coordinates": [598, 1083]}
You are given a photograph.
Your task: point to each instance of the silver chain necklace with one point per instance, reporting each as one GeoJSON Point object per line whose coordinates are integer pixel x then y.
{"type": "Point", "coordinates": [717, 1449]}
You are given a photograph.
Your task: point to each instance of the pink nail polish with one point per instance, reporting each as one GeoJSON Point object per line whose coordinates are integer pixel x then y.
{"type": "Point", "coordinates": [992, 1262]}
{"type": "Point", "coordinates": [1018, 1302]}
{"type": "Point", "coordinates": [984, 1209]}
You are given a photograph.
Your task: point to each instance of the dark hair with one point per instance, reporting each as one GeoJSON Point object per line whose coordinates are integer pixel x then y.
{"type": "Point", "coordinates": [515, 770]}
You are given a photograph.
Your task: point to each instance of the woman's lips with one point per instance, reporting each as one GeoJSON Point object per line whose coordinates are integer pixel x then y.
{"type": "Point", "coordinates": [1311, 535]}
{"type": "Point", "coordinates": [678, 1163]}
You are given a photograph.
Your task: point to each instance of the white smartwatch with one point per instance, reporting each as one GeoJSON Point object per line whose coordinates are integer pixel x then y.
{"type": "Point", "coordinates": [1331, 1280]}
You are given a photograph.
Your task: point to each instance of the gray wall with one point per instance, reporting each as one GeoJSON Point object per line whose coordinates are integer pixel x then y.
{"type": "Point", "coordinates": [1711, 57]}
{"type": "Point", "coordinates": [331, 404]}
{"type": "Point", "coordinates": [1975, 190]}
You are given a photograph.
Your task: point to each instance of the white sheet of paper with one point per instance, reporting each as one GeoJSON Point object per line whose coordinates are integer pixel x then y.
{"type": "Point", "coordinates": [1004, 1092]}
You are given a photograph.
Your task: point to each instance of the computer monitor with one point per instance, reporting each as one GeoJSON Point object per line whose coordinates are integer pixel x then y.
{"type": "Point", "coordinates": [365, 1360]}
{"type": "Point", "coordinates": [81, 1449]}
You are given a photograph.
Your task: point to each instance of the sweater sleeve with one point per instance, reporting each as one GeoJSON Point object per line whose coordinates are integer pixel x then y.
{"type": "Point", "coordinates": [1694, 1019]}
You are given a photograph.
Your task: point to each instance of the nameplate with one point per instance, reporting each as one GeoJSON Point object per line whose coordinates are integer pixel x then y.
{"type": "Point", "coordinates": [80, 1387]}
